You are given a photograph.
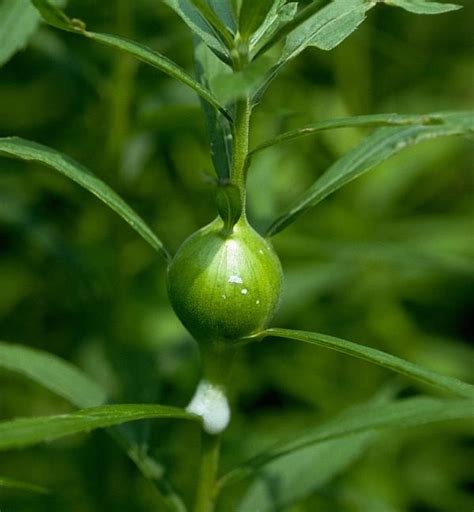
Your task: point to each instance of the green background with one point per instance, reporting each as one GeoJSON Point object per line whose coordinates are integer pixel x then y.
{"type": "Point", "coordinates": [387, 261]}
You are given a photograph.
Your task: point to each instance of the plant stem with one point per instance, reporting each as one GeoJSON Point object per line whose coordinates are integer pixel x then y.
{"type": "Point", "coordinates": [241, 127]}
{"type": "Point", "coordinates": [206, 495]}
{"type": "Point", "coordinates": [241, 144]}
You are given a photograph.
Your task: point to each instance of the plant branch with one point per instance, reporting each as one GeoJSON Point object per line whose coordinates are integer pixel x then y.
{"type": "Point", "coordinates": [206, 490]}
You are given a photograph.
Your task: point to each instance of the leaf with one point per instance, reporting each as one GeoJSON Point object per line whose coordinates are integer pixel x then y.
{"type": "Point", "coordinates": [215, 22]}
{"type": "Point", "coordinates": [53, 373]}
{"type": "Point", "coordinates": [230, 86]}
{"type": "Point", "coordinates": [411, 412]}
{"type": "Point", "coordinates": [10, 483]}
{"type": "Point", "coordinates": [294, 476]}
{"type": "Point", "coordinates": [67, 381]}
{"type": "Point", "coordinates": [18, 22]}
{"type": "Point", "coordinates": [328, 27]}
{"type": "Point", "coordinates": [378, 357]}
{"type": "Point", "coordinates": [229, 205]}
{"type": "Point", "coordinates": [226, 12]}
{"type": "Point", "coordinates": [252, 15]}
{"type": "Point", "coordinates": [54, 16]}
{"type": "Point", "coordinates": [160, 62]}
{"type": "Point", "coordinates": [208, 66]}
{"type": "Point", "coordinates": [292, 24]}
{"type": "Point", "coordinates": [278, 16]}
{"type": "Point", "coordinates": [350, 122]}
{"type": "Point", "coordinates": [57, 18]}
{"type": "Point", "coordinates": [195, 21]}
{"type": "Point", "coordinates": [28, 431]}
{"type": "Point", "coordinates": [373, 150]}
{"type": "Point", "coordinates": [289, 479]}
{"type": "Point", "coordinates": [31, 151]}
{"type": "Point", "coordinates": [423, 6]}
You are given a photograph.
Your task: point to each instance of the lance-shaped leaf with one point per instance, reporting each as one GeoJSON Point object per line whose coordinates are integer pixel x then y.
{"type": "Point", "coordinates": [373, 150]}
{"type": "Point", "coordinates": [252, 15]}
{"type": "Point", "coordinates": [194, 19]}
{"type": "Point", "coordinates": [18, 22]}
{"type": "Point", "coordinates": [372, 355]}
{"type": "Point", "coordinates": [210, 15]}
{"type": "Point", "coordinates": [69, 382]}
{"type": "Point", "coordinates": [296, 475]}
{"type": "Point", "coordinates": [411, 412]}
{"type": "Point", "coordinates": [31, 151]}
{"type": "Point", "coordinates": [208, 66]}
{"type": "Point", "coordinates": [278, 16]}
{"type": "Point", "coordinates": [59, 19]}
{"type": "Point", "coordinates": [28, 431]}
{"type": "Point", "coordinates": [423, 6]}
{"type": "Point", "coordinates": [53, 373]}
{"type": "Point", "coordinates": [328, 27]}
{"type": "Point", "coordinates": [324, 25]}
{"type": "Point", "coordinates": [375, 120]}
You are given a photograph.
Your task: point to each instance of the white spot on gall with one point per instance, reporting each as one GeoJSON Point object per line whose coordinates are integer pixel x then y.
{"type": "Point", "coordinates": [235, 279]}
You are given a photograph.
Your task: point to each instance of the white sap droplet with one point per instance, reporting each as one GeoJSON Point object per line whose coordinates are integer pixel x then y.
{"type": "Point", "coordinates": [235, 279]}
{"type": "Point", "coordinates": [244, 291]}
{"type": "Point", "coordinates": [209, 402]}
{"type": "Point", "coordinates": [257, 302]}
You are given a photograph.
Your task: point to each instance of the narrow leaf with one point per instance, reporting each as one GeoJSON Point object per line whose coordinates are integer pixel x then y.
{"type": "Point", "coordinates": [373, 150]}
{"type": "Point", "coordinates": [279, 15]}
{"type": "Point", "coordinates": [378, 357]}
{"type": "Point", "coordinates": [10, 483]}
{"type": "Point", "coordinates": [252, 15]}
{"type": "Point", "coordinates": [423, 6]}
{"type": "Point", "coordinates": [18, 22]}
{"type": "Point", "coordinates": [53, 15]}
{"type": "Point", "coordinates": [208, 66]}
{"type": "Point", "coordinates": [53, 373]}
{"type": "Point", "coordinates": [229, 205]}
{"type": "Point", "coordinates": [291, 478]}
{"type": "Point", "coordinates": [195, 21]}
{"type": "Point", "coordinates": [351, 122]}
{"type": "Point", "coordinates": [28, 431]}
{"type": "Point", "coordinates": [226, 10]}
{"type": "Point", "coordinates": [31, 151]}
{"type": "Point", "coordinates": [411, 412]}
{"type": "Point", "coordinates": [57, 18]}
{"type": "Point", "coordinates": [69, 382]}
{"type": "Point", "coordinates": [296, 475]}
{"type": "Point", "coordinates": [160, 62]}
{"type": "Point", "coordinates": [328, 27]}
{"type": "Point", "coordinates": [293, 24]}
{"type": "Point", "coordinates": [215, 22]}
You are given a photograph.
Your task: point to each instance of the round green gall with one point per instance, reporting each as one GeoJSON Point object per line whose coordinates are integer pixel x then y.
{"type": "Point", "coordinates": [225, 286]}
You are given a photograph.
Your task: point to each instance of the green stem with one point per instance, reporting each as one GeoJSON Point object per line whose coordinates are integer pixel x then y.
{"type": "Point", "coordinates": [241, 127]}
{"type": "Point", "coordinates": [206, 490]}
{"type": "Point", "coordinates": [241, 144]}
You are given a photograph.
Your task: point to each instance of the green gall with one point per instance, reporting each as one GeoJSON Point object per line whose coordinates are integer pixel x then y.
{"type": "Point", "coordinates": [225, 286]}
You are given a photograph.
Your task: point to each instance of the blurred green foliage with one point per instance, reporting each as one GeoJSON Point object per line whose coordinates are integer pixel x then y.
{"type": "Point", "coordinates": [386, 261]}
